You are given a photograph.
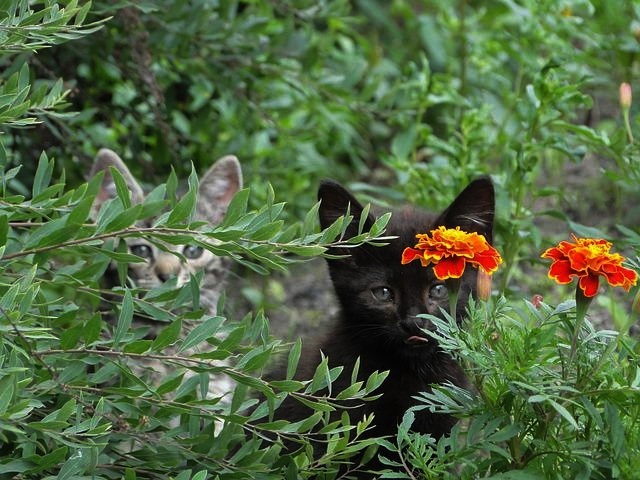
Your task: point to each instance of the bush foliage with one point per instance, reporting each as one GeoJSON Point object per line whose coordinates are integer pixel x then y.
{"type": "Point", "coordinates": [415, 98]}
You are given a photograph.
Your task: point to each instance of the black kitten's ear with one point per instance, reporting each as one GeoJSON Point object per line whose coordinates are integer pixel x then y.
{"type": "Point", "coordinates": [335, 201]}
{"type": "Point", "coordinates": [473, 210]}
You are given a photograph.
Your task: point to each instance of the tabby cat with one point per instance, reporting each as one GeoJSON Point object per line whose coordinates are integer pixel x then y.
{"type": "Point", "coordinates": [379, 302]}
{"type": "Point", "coordinates": [216, 189]}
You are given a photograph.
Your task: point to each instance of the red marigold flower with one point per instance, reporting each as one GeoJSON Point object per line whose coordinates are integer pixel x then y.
{"type": "Point", "coordinates": [449, 250]}
{"type": "Point", "coordinates": [588, 259]}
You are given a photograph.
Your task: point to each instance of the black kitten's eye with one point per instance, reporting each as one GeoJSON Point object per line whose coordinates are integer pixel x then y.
{"type": "Point", "coordinates": [192, 251]}
{"type": "Point", "coordinates": [438, 292]}
{"type": "Point", "coordinates": [382, 294]}
{"type": "Point", "coordinates": [142, 250]}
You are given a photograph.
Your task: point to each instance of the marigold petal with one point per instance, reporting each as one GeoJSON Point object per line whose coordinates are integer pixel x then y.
{"type": "Point", "coordinates": [554, 253]}
{"type": "Point", "coordinates": [410, 254]}
{"type": "Point", "coordinates": [630, 275]}
{"type": "Point", "coordinates": [561, 271]}
{"type": "Point", "coordinates": [589, 284]}
{"type": "Point", "coordinates": [488, 260]}
{"type": "Point", "coordinates": [579, 259]}
{"type": "Point", "coordinates": [451, 267]}
{"type": "Point", "coordinates": [619, 276]}
{"type": "Point", "coordinates": [614, 277]}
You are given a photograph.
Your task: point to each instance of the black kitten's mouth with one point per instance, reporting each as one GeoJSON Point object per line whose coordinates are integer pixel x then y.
{"type": "Point", "coordinates": [416, 340]}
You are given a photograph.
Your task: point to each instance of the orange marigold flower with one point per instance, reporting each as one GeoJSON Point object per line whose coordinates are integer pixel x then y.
{"type": "Point", "coordinates": [588, 259]}
{"type": "Point", "coordinates": [449, 250]}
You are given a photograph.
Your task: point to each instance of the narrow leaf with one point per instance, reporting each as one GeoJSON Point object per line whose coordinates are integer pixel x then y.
{"type": "Point", "coordinates": [124, 318]}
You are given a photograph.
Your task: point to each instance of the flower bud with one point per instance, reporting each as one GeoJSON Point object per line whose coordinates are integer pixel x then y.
{"type": "Point", "coordinates": [483, 285]}
{"type": "Point", "coordinates": [537, 300]}
{"type": "Point", "coordinates": [625, 95]}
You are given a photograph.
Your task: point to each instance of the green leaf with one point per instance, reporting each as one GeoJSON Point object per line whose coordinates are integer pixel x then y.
{"type": "Point", "coordinates": [585, 231]}
{"type": "Point", "coordinates": [124, 318]}
{"type": "Point", "coordinates": [4, 230]}
{"type": "Point", "coordinates": [237, 208]}
{"type": "Point", "coordinates": [310, 220]}
{"type": "Point", "coordinates": [254, 359]}
{"type": "Point", "coordinates": [203, 331]}
{"type": "Point", "coordinates": [122, 189]}
{"type": "Point", "coordinates": [364, 216]}
{"type": "Point", "coordinates": [564, 413]}
{"type": "Point", "coordinates": [53, 232]}
{"type": "Point", "coordinates": [267, 232]}
{"type": "Point", "coordinates": [43, 174]}
{"type": "Point", "coordinates": [201, 475]}
{"type": "Point", "coordinates": [233, 339]}
{"type": "Point", "coordinates": [80, 213]}
{"type": "Point", "coordinates": [294, 357]}
{"type": "Point", "coordinates": [330, 233]}
{"type": "Point", "coordinates": [91, 330]}
{"type": "Point", "coordinates": [321, 377]}
{"type": "Point", "coordinates": [122, 220]}
{"type": "Point", "coordinates": [305, 250]}
{"type": "Point", "coordinates": [170, 385]}
{"type": "Point", "coordinates": [184, 475]}
{"type": "Point", "coordinates": [380, 224]}
{"type": "Point", "coordinates": [73, 466]}
{"type": "Point", "coordinates": [404, 142]}
{"type": "Point", "coordinates": [168, 335]}
{"type": "Point", "coordinates": [63, 413]}
{"type": "Point", "coordinates": [350, 391]}
{"type": "Point", "coordinates": [183, 210]}
{"type": "Point", "coordinates": [7, 390]}
{"type": "Point", "coordinates": [287, 385]}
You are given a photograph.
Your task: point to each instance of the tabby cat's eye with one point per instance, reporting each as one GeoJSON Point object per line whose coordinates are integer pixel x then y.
{"type": "Point", "coordinates": [192, 251]}
{"type": "Point", "coordinates": [382, 294]}
{"type": "Point", "coordinates": [438, 292]}
{"type": "Point", "coordinates": [142, 250]}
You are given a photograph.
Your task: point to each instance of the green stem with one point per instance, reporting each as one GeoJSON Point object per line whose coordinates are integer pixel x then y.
{"type": "Point", "coordinates": [453, 286]}
{"type": "Point", "coordinates": [582, 305]}
{"type": "Point", "coordinates": [627, 124]}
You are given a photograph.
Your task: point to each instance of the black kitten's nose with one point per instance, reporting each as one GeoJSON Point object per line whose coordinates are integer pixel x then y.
{"type": "Point", "coordinates": [415, 325]}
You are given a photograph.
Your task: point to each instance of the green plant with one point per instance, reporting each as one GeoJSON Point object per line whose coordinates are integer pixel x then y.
{"type": "Point", "coordinates": [72, 406]}
{"type": "Point", "coordinates": [540, 412]}
{"type": "Point", "coordinates": [414, 97]}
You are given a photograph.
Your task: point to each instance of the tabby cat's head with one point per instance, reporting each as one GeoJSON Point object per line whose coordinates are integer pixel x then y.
{"type": "Point", "coordinates": [216, 189]}
{"type": "Point", "coordinates": [381, 298]}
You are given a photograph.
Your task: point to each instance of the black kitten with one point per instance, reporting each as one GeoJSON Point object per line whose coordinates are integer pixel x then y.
{"type": "Point", "coordinates": [380, 300]}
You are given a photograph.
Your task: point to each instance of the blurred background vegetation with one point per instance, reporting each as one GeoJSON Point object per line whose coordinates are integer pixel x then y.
{"type": "Point", "coordinates": [414, 97]}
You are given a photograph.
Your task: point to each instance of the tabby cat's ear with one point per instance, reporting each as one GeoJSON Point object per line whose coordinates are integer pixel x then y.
{"type": "Point", "coordinates": [108, 158]}
{"type": "Point", "coordinates": [335, 201]}
{"type": "Point", "coordinates": [217, 187]}
{"type": "Point", "coordinates": [473, 210]}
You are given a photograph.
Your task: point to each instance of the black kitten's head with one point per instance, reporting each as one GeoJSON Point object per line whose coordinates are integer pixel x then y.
{"type": "Point", "coordinates": [381, 298]}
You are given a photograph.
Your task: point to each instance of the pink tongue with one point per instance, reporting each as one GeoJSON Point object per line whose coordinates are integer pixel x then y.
{"type": "Point", "coordinates": [416, 339]}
